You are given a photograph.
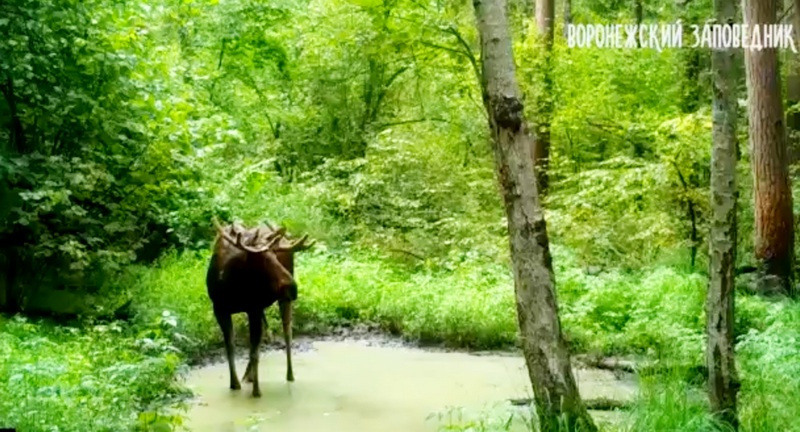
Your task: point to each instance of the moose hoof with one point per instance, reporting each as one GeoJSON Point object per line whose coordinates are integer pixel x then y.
{"type": "Point", "coordinates": [290, 377]}
{"type": "Point", "coordinates": [236, 386]}
{"type": "Point", "coordinates": [256, 393]}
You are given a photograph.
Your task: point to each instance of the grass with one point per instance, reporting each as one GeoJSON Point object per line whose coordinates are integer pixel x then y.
{"type": "Point", "coordinates": [119, 376]}
{"type": "Point", "coordinates": [473, 307]}
{"type": "Point", "coordinates": [85, 377]}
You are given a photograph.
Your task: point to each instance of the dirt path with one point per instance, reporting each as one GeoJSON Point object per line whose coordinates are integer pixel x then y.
{"type": "Point", "coordinates": [357, 386]}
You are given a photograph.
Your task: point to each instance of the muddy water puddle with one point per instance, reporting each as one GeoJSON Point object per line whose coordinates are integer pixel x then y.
{"type": "Point", "coordinates": [352, 386]}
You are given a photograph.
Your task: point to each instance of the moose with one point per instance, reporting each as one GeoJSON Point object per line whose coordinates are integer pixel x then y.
{"type": "Point", "coordinates": [249, 270]}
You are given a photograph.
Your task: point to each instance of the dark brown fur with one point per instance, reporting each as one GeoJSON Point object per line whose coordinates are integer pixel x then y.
{"type": "Point", "coordinates": [246, 277]}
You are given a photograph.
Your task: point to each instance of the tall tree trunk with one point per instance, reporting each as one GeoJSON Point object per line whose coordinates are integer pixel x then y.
{"type": "Point", "coordinates": [17, 132]}
{"type": "Point", "coordinates": [773, 198]}
{"type": "Point", "coordinates": [793, 91]}
{"type": "Point", "coordinates": [546, 354]}
{"type": "Point", "coordinates": [545, 26]}
{"type": "Point", "coordinates": [690, 64]}
{"type": "Point", "coordinates": [638, 13]}
{"type": "Point", "coordinates": [545, 21]}
{"type": "Point", "coordinates": [723, 383]}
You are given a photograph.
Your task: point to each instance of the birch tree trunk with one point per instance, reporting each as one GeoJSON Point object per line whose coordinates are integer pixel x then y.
{"type": "Point", "coordinates": [773, 199]}
{"type": "Point", "coordinates": [723, 383]}
{"type": "Point", "coordinates": [558, 403]}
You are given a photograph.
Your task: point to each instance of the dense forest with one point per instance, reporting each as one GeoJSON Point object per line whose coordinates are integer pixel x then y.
{"type": "Point", "coordinates": [470, 181]}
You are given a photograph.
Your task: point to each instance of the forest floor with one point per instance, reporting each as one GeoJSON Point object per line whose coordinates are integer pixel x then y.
{"type": "Point", "coordinates": [114, 375]}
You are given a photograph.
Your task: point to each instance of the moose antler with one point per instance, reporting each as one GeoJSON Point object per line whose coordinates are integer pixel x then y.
{"type": "Point", "coordinates": [272, 239]}
{"type": "Point", "coordinates": [298, 245]}
{"type": "Point", "coordinates": [221, 231]}
{"type": "Point", "coordinates": [293, 246]}
{"type": "Point", "coordinates": [255, 237]}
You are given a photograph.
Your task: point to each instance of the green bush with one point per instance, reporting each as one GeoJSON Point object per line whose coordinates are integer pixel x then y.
{"type": "Point", "coordinates": [82, 377]}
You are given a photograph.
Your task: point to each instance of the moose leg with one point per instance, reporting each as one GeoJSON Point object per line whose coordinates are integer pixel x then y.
{"type": "Point", "coordinates": [286, 320]}
{"type": "Point", "coordinates": [247, 377]}
{"type": "Point", "coordinates": [256, 332]}
{"type": "Point", "coordinates": [226, 324]}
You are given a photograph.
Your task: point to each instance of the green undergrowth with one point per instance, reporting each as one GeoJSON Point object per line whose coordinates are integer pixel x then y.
{"type": "Point", "coordinates": [658, 312]}
{"type": "Point", "coordinates": [768, 371]}
{"type": "Point", "coordinates": [85, 376]}
{"type": "Point", "coordinates": [104, 376]}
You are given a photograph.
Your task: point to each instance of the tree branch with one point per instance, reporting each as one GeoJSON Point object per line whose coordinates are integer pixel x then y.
{"type": "Point", "coordinates": [409, 253]}
{"type": "Point", "coordinates": [419, 120]}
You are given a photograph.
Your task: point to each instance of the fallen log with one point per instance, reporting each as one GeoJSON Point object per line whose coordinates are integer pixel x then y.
{"type": "Point", "coordinates": [614, 364]}
{"type": "Point", "coordinates": [690, 373]}
{"type": "Point", "coordinates": [596, 404]}
{"type": "Point", "coordinates": [609, 363]}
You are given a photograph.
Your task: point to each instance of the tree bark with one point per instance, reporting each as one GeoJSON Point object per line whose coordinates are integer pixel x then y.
{"type": "Point", "coordinates": [567, 15]}
{"type": "Point", "coordinates": [723, 383]}
{"type": "Point", "coordinates": [556, 396]}
{"type": "Point", "coordinates": [793, 91]}
{"type": "Point", "coordinates": [545, 26]}
{"type": "Point", "coordinates": [638, 13]}
{"type": "Point", "coordinates": [690, 65]}
{"type": "Point", "coordinates": [774, 241]}
{"type": "Point", "coordinates": [17, 132]}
